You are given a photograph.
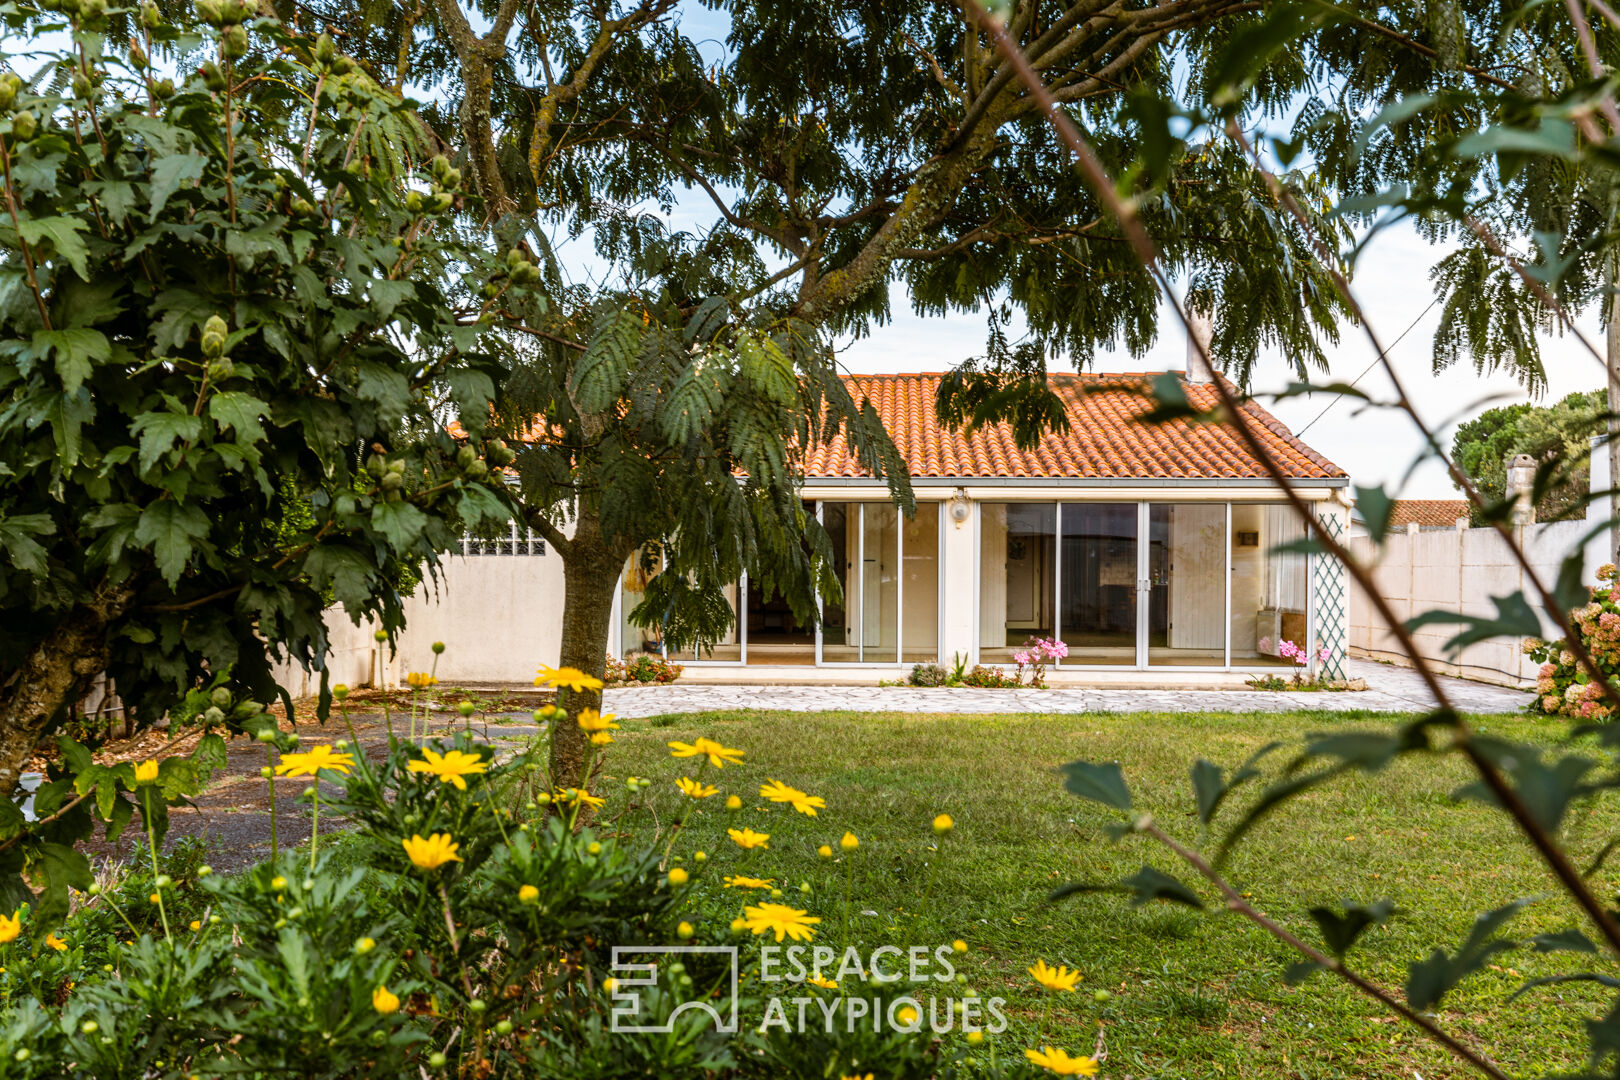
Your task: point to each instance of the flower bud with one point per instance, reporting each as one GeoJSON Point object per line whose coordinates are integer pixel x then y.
{"type": "Point", "coordinates": [365, 945]}
{"type": "Point", "coordinates": [466, 708]}
{"type": "Point", "coordinates": [24, 125]}
{"type": "Point", "coordinates": [684, 931]}
{"type": "Point", "coordinates": [438, 648]}
{"type": "Point", "coordinates": [436, 1060]}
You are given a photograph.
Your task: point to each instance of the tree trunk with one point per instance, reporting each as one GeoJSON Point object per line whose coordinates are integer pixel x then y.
{"type": "Point", "coordinates": [1613, 344]}
{"type": "Point", "coordinates": [54, 675]}
{"type": "Point", "coordinates": [590, 580]}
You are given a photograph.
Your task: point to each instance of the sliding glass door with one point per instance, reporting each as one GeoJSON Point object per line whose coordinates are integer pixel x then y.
{"type": "Point", "coordinates": [1186, 575]}
{"type": "Point", "coordinates": [1099, 582]}
{"type": "Point", "coordinates": [1142, 584]}
{"type": "Point", "coordinates": [888, 568]}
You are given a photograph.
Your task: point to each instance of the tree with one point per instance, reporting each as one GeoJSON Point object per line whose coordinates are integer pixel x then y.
{"type": "Point", "coordinates": [842, 150]}
{"type": "Point", "coordinates": [1558, 436]}
{"type": "Point", "coordinates": [215, 310]}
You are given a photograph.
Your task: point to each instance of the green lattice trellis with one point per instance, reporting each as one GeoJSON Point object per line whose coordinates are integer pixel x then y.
{"type": "Point", "coordinates": [1329, 598]}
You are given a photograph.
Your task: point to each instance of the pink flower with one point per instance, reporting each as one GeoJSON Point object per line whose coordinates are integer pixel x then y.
{"type": "Point", "coordinates": [1323, 654]}
{"type": "Point", "coordinates": [1550, 703]}
{"type": "Point", "coordinates": [1265, 644]}
{"type": "Point", "coordinates": [1021, 658]}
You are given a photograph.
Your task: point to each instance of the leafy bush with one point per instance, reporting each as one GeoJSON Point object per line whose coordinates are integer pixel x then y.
{"type": "Point", "coordinates": [992, 677]}
{"type": "Point", "coordinates": [1562, 687]}
{"type": "Point", "coordinates": [643, 668]}
{"type": "Point", "coordinates": [235, 319]}
{"type": "Point", "coordinates": [928, 675]}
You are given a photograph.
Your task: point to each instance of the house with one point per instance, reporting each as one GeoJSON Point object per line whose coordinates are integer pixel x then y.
{"type": "Point", "coordinates": [1139, 546]}
{"type": "Point", "coordinates": [1151, 551]}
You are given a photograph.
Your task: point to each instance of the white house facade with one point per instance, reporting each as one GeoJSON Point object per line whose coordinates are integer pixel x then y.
{"type": "Point", "coordinates": [1149, 550]}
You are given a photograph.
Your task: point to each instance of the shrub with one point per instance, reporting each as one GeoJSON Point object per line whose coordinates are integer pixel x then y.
{"type": "Point", "coordinates": [464, 926]}
{"type": "Point", "coordinates": [1562, 688]}
{"type": "Point", "coordinates": [992, 677]}
{"type": "Point", "coordinates": [643, 668]}
{"type": "Point", "coordinates": [928, 675]}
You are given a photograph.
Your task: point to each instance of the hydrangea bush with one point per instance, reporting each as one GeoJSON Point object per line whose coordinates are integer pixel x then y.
{"type": "Point", "coordinates": [1562, 688]}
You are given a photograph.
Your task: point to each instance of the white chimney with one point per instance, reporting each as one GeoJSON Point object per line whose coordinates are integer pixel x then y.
{"type": "Point", "coordinates": [1199, 331]}
{"type": "Point", "coordinates": [1521, 478]}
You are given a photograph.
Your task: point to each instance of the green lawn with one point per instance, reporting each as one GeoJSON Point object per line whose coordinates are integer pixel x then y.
{"type": "Point", "coordinates": [1194, 994]}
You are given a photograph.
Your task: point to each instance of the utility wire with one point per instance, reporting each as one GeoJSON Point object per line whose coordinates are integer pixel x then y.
{"type": "Point", "coordinates": [1340, 397]}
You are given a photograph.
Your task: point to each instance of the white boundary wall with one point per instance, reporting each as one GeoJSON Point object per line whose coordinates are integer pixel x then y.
{"type": "Point", "coordinates": [501, 614]}
{"type": "Point", "coordinates": [1459, 569]}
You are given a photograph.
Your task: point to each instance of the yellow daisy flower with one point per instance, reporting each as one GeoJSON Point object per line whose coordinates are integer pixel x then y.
{"type": "Point", "coordinates": [432, 853]}
{"type": "Point", "coordinates": [576, 796]}
{"type": "Point", "coordinates": [1057, 1060]}
{"type": "Point", "coordinates": [384, 1000]}
{"type": "Point", "coordinates": [694, 789]}
{"type": "Point", "coordinates": [592, 721]}
{"type": "Point", "coordinates": [570, 677]}
{"type": "Point", "coordinates": [781, 920]}
{"type": "Point", "coordinates": [778, 792]}
{"type": "Point", "coordinates": [1054, 978]}
{"type": "Point", "coordinates": [825, 984]}
{"type": "Point", "coordinates": [451, 767]}
{"type": "Point", "coordinates": [146, 772]}
{"type": "Point", "coordinates": [56, 943]}
{"type": "Point", "coordinates": [741, 882]}
{"type": "Point", "coordinates": [601, 738]}
{"type": "Point", "coordinates": [312, 762]}
{"type": "Point", "coordinates": [719, 756]}
{"type": "Point", "coordinates": [420, 680]}
{"type": "Point", "coordinates": [748, 839]}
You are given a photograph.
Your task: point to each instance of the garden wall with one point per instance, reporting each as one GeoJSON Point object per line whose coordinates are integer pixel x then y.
{"type": "Point", "coordinates": [1459, 570]}
{"type": "Point", "coordinates": [498, 605]}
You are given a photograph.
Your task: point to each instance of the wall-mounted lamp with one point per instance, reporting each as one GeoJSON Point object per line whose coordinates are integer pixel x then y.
{"type": "Point", "coordinates": [960, 509]}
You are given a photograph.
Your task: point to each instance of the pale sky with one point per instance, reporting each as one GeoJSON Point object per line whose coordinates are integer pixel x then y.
{"type": "Point", "coordinates": [1373, 446]}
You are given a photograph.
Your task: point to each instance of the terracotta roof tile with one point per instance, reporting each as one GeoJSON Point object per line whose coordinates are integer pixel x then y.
{"type": "Point", "coordinates": [1436, 512]}
{"type": "Point", "coordinates": [1104, 437]}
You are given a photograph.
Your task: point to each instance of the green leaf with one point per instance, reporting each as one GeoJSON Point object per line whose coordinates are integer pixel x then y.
{"type": "Point", "coordinates": [400, 523]}
{"type": "Point", "coordinates": [770, 370]}
{"type": "Point", "coordinates": [708, 319]}
{"type": "Point", "coordinates": [76, 352]}
{"type": "Point", "coordinates": [1515, 618]}
{"type": "Point", "coordinates": [169, 172]}
{"type": "Point", "coordinates": [62, 868]}
{"type": "Point", "coordinates": [1144, 886]}
{"type": "Point", "coordinates": [17, 534]}
{"type": "Point", "coordinates": [63, 233]}
{"type": "Point", "coordinates": [240, 412]}
{"type": "Point", "coordinates": [347, 572]}
{"type": "Point", "coordinates": [172, 532]}
{"type": "Point", "coordinates": [1148, 884]}
{"type": "Point", "coordinates": [1571, 940]}
{"type": "Point", "coordinates": [1209, 788]}
{"type": "Point", "coordinates": [1099, 783]}
{"type": "Point", "coordinates": [1341, 931]}
{"type": "Point", "coordinates": [1377, 511]}
{"type": "Point", "coordinates": [600, 371]}
{"type": "Point", "coordinates": [1428, 981]}
{"type": "Point", "coordinates": [159, 431]}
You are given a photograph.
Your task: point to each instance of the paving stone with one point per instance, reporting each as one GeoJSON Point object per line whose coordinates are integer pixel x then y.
{"type": "Point", "coordinates": [1389, 689]}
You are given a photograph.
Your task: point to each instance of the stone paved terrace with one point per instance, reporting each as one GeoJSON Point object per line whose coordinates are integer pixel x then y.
{"type": "Point", "coordinates": [1389, 689]}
